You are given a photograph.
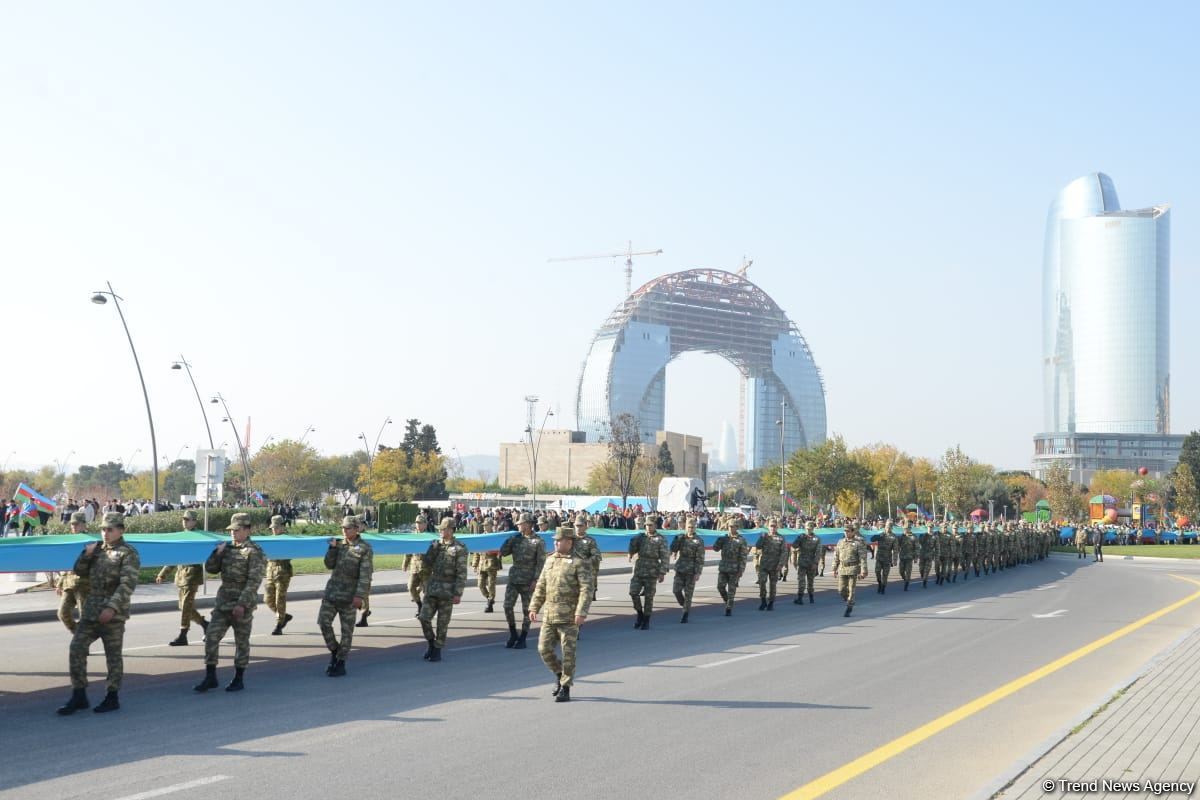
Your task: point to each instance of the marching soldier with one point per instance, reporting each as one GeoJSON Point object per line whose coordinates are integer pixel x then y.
{"type": "Point", "coordinates": [689, 563]}
{"type": "Point", "coordinates": [72, 589]}
{"type": "Point", "coordinates": [1080, 542]}
{"type": "Point", "coordinates": [943, 552]}
{"type": "Point", "coordinates": [652, 562]}
{"type": "Point", "coordinates": [926, 554]}
{"type": "Point", "coordinates": [955, 545]}
{"type": "Point", "coordinates": [279, 576]}
{"type": "Point", "coordinates": [587, 547]}
{"type": "Point", "coordinates": [885, 557]}
{"type": "Point", "coordinates": [907, 548]}
{"type": "Point", "coordinates": [564, 590]}
{"type": "Point", "coordinates": [771, 553]}
{"type": "Point", "coordinates": [360, 522]}
{"type": "Point", "coordinates": [528, 553]}
{"type": "Point", "coordinates": [850, 564]}
{"type": "Point", "coordinates": [966, 550]}
{"type": "Point", "coordinates": [353, 564]}
{"type": "Point", "coordinates": [241, 564]}
{"type": "Point", "coordinates": [445, 579]}
{"type": "Point", "coordinates": [733, 549]}
{"type": "Point", "coordinates": [111, 567]}
{"type": "Point", "coordinates": [188, 579]}
{"type": "Point", "coordinates": [487, 566]}
{"type": "Point", "coordinates": [808, 552]}
{"type": "Point", "coordinates": [413, 566]}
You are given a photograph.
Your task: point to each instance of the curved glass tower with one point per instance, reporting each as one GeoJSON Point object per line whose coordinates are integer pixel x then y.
{"type": "Point", "coordinates": [1105, 313]}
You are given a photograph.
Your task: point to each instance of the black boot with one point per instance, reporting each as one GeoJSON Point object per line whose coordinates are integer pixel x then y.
{"type": "Point", "coordinates": [512, 637]}
{"type": "Point", "coordinates": [332, 660]}
{"type": "Point", "coordinates": [564, 695]}
{"type": "Point", "coordinates": [236, 685]}
{"type": "Point", "coordinates": [210, 679]}
{"type": "Point", "coordinates": [520, 645]}
{"type": "Point", "coordinates": [278, 629]}
{"type": "Point", "coordinates": [435, 654]}
{"type": "Point", "coordinates": [683, 619]}
{"type": "Point", "coordinates": [78, 702]}
{"type": "Point", "coordinates": [883, 588]}
{"type": "Point", "coordinates": [906, 586]}
{"type": "Point", "coordinates": [770, 605]}
{"type": "Point", "coordinates": [286, 619]}
{"type": "Point", "coordinates": [491, 607]}
{"type": "Point", "coordinates": [849, 610]}
{"type": "Point", "coordinates": [955, 578]}
{"type": "Point", "coordinates": [109, 703]}
{"type": "Point", "coordinates": [924, 583]}
{"type": "Point", "coordinates": [557, 685]}
{"type": "Point", "coordinates": [362, 623]}
{"type": "Point", "coordinates": [638, 624]}
{"type": "Point", "coordinates": [339, 669]}
{"type": "Point", "coordinates": [762, 604]}
{"type": "Point", "coordinates": [728, 611]}
{"type": "Point", "coordinates": [645, 622]}
{"type": "Point", "coordinates": [428, 650]}
{"type": "Point", "coordinates": [810, 598]}
{"type": "Point", "coordinates": [204, 625]}
{"type": "Point", "coordinates": [180, 640]}
{"type": "Point", "coordinates": [799, 601]}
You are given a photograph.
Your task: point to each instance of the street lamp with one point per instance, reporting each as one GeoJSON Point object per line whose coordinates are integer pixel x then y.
{"type": "Point", "coordinates": [782, 457]}
{"type": "Point", "coordinates": [129, 463]}
{"type": "Point", "coordinates": [185, 447]}
{"type": "Point", "coordinates": [238, 439]}
{"type": "Point", "coordinates": [100, 298]}
{"type": "Point", "coordinates": [183, 364]}
{"type": "Point", "coordinates": [62, 464]}
{"type": "Point", "coordinates": [309, 430]}
{"type": "Point", "coordinates": [7, 458]}
{"type": "Point", "coordinates": [532, 454]}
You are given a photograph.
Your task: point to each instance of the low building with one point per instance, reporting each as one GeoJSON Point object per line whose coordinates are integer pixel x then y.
{"type": "Point", "coordinates": [565, 458]}
{"type": "Point", "coordinates": [1087, 453]}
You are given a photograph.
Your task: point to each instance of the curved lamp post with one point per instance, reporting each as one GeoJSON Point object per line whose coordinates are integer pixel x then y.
{"type": "Point", "coordinates": [307, 431]}
{"type": "Point", "coordinates": [183, 364]}
{"type": "Point", "coordinates": [238, 439]}
{"type": "Point", "coordinates": [100, 298]}
{"type": "Point", "coordinates": [532, 454]}
{"type": "Point", "coordinates": [371, 457]}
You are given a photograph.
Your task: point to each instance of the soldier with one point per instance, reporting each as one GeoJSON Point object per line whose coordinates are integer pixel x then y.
{"type": "Point", "coordinates": [978, 549]}
{"type": "Point", "coordinates": [446, 578]}
{"type": "Point", "coordinates": [279, 575]}
{"type": "Point", "coordinates": [188, 579]}
{"type": "Point", "coordinates": [413, 566]}
{"type": "Point", "coordinates": [955, 544]}
{"type": "Point", "coordinates": [111, 568]}
{"type": "Point", "coordinates": [850, 564]}
{"type": "Point", "coordinates": [926, 554]}
{"type": "Point", "coordinates": [808, 551]}
{"type": "Point", "coordinates": [650, 567]}
{"type": "Point", "coordinates": [733, 549]}
{"type": "Point", "coordinates": [885, 557]}
{"type": "Point", "coordinates": [360, 522]}
{"type": "Point", "coordinates": [487, 566]}
{"type": "Point", "coordinates": [943, 552]}
{"type": "Point", "coordinates": [907, 548]}
{"type": "Point", "coordinates": [587, 547]}
{"type": "Point", "coordinates": [528, 553]}
{"type": "Point", "coordinates": [770, 550]}
{"type": "Point", "coordinates": [564, 589]}
{"type": "Point", "coordinates": [689, 563]}
{"type": "Point", "coordinates": [966, 549]}
{"type": "Point", "coordinates": [72, 589]}
{"type": "Point", "coordinates": [1080, 542]}
{"type": "Point", "coordinates": [352, 563]}
{"type": "Point", "coordinates": [241, 564]}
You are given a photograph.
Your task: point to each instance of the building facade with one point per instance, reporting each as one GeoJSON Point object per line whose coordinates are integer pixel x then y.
{"type": "Point", "coordinates": [565, 458]}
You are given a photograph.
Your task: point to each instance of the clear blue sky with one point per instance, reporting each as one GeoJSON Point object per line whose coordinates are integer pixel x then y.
{"type": "Point", "coordinates": [341, 212]}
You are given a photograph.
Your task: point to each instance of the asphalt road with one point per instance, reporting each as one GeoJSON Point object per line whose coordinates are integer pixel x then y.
{"type": "Point", "coordinates": [749, 706]}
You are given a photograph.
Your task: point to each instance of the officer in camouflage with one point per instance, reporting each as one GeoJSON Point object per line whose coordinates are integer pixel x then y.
{"type": "Point", "coordinates": [564, 590]}
{"type": "Point", "coordinates": [352, 563]}
{"type": "Point", "coordinates": [360, 522]}
{"type": "Point", "coordinates": [72, 590]}
{"type": "Point", "coordinates": [241, 564]}
{"type": "Point", "coordinates": [650, 567]}
{"type": "Point", "coordinates": [528, 553]}
{"type": "Point", "coordinates": [445, 579]}
{"type": "Point", "coordinates": [413, 566]}
{"type": "Point", "coordinates": [733, 548]}
{"type": "Point", "coordinates": [487, 566]}
{"type": "Point", "coordinates": [111, 568]}
{"type": "Point", "coordinates": [926, 554]}
{"type": "Point", "coordinates": [279, 576]}
{"type": "Point", "coordinates": [907, 548]}
{"type": "Point", "coordinates": [807, 553]}
{"type": "Point", "coordinates": [771, 552]}
{"type": "Point", "coordinates": [587, 547]}
{"type": "Point", "coordinates": [885, 557]}
{"type": "Point", "coordinates": [850, 564]}
{"type": "Point", "coordinates": [188, 579]}
{"type": "Point", "coordinates": [689, 563]}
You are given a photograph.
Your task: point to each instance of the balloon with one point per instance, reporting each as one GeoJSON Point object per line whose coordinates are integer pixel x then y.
{"type": "Point", "coordinates": [1143, 471]}
{"type": "Point", "coordinates": [1110, 516]}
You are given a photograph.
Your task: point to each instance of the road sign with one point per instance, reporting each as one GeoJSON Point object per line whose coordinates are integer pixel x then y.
{"type": "Point", "coordinates": [210, 466]}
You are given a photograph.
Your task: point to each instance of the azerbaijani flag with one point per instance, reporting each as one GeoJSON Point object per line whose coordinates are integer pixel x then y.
{"type": "Point", "coordinates": [29, 513]}
{"type": "Point", "coordinates": [791, 501]}
{"type": "Point", "coordinates": [613, 506]}
{"type": "Point", "coordinates": [31, 495]}
{"type": "Point", "coordinates": [259, 500]}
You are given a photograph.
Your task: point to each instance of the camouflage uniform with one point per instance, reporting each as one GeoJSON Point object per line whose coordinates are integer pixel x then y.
{"type": "Point", "coordinates": [188, 579]}
{"type": "Point", "coordinates": [907, 548]}
{"type": "Point", "coordinates": [849, 564]}
{"type": "Point", "coordinates": [688, 566]}
{"type": "Point", "coordinates": [279, 577]}
{"type": "Point", "coordinates": [445, 579]}
{"type": "Point", "coordinates": [564, 590]}
{"type": "Point", "coordinates": [807, 552]}
{"type": "Point", "coordinates": [586, 547]}
{"type": "Point", "coordinates": [241, 567]}
{"type": "Point", "coordinates": [926, 553]}
{"type": "Point", "coordinates": [73, 592]}
{"type": "Point", "coordinates": [944, 553]}
{"type": "Point", "coordinates": [1080, 542]}
{"type": "Point", "coordinates": [885, 557]}
{"type": "Point", "coordinates": [415, 567]}
{"type": "Point", "coordinates": [733, 549]}
{"type": "Point", "coordinates": [487, 566]}
{"type": "Point", "coordinates": [653, 561]}
{"type": "Point", "coordinates": [771, 554]}
{"type": "Point", "coordinates": [112, 575]}
{"type": "Point", "coordinates": [966, 549]}
{"type": "Point", "coordinates": [528, 554]}
{"type": "Point", "coordinates": [352, 565]}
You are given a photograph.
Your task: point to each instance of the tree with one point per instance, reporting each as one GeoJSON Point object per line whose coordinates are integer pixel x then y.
{"type": "Point", "coordinates": [427, 440]}
{"type": "Point", "coordinates": [101, 482]}
{"type": "Point", "coordinates": [1066, 502]}
{"type": "Point", "coordinates": [956, 481]}
{"type": "Point", "coordinates": [393, 478]}
{"type": "Point", "coordinates": [341, 472]}
{"type": "Point", "coordinates": [824, 472]}
{"type": "Point", "coordinates": [288, 470]}
{"type": "Point", "coordinates": [1115, 482]}
{"type": "Point", "coordinates": [1187, 496]}
{"type": "Point", "coordinates": [624, 450]}
{"type": "Point", "coordinates": [179, 480]}
{"type": "Point", "coordinates": [665, 465]}
{"type": "Point", "coordinates": [1189, 453]}
{"type": "Point", "coordinates": [140, 486]}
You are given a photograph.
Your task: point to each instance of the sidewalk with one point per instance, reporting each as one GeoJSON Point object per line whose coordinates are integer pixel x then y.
{"type": "Point", "coordinates": [1149, 733]}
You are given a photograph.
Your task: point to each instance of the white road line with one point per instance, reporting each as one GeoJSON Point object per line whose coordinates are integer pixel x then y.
{"type": "Point", "coordinates": [952, 610]}
{"type": "Point", "coordinates": [749, 655]}
{"type": "Point", "coordinates": [1060, 572]}
{"type": "Point", "coordinates": [178, 787]}
{"type": "Point", "coordinates": [1044, 588]}
{"type": "Point", "coordinates": [1051, 615]}
{"type": "Point", "coordinates": [472, 647]}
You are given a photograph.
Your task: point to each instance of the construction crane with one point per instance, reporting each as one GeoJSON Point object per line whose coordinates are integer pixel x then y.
{"type": "Point", "coordinates": [745, 266]}
{"type": "Point", "coordinates": [628, 253]}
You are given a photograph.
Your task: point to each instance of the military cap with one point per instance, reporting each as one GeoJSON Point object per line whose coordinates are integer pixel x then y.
{"type": "Point", "coordinates": [422, 518]}
{"type": "Point", "coordinates": [190, 514]}
{"type": "Point", "coordinates": [113, 519]}
{"type": "Point", "coordinates": [582, 520]}
{"type": "Point", "coordinates": [525, 517]}
{"type": "Point", "coordinates": [773, 520]}
{"type": "Point", "coordinates": [653, 520]}
{"type": "Point", "coordinates": [446, 523]}
{"type": "Point", "coordinates": [239, 520]}
{"type": "Point", "coordinates": [810, 525]}
{"type": "Point", "coordinates": [78, 518]}
{"type": "Point", "coordinates": [564, 532]}
{"type": "Point", "coordinates": [361, 520]}
{"type": "Point", "coordinates": [349, 521]}
{"type": "Point", "coordinates": [277, 521]}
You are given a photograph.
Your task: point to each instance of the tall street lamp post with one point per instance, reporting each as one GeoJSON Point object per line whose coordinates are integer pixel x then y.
{"type": "Point", "coordinates": [183, 364]}
{"type": "Point", "coordinates": [370, 457]}
{"type": "Point", "coordinates": [533, 451]}
{"type": "Point", "coordinates": [100, 298]}
{"type": "Point", "coordinates": [238, 440]}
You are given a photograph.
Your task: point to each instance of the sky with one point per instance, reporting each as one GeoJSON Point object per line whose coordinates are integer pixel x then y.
{"type": "Point", "coordinates": [340, 213]}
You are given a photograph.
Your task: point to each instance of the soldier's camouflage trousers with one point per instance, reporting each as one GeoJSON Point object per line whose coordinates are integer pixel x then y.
{"type": "Point", "coordinates": [487, 584]}
{"type": "Point", "coordinates": [847, 583]}
{"type": "Point", "coordinates": [416, 585]}
{"type": "Point", "coordinates": [923, 567]}
{"type": "Point", "coordinates": [275, 595]}
{"type": "Point", "coordinates": [442, 607]}
{"type": "Point", "coordinates": [70, 600]}
{"type": "Point", "coordinates": [555, 634]}
{"type": "Point", "coordinates": [906, 569]}
{"type": "Point", "coordinates": [187, 607]}
{"type": "Point", "coordinates": [511, 592]}
{"type": "Point", "coordinates": [345, 611]}
{"type": "Point", "coordinates": [727, 583]}
{"type": "Point", "coordinates": [366, 606]}
{"type": "Point", "coordinates": [683, 587]}
{"type": "Point", "coordinates": [767, 579]}
{"type": "Point", "coordinates": [221, 621]}
{"type": "Point", "coordinates": [883, 569]}
{"type": "Point", "coordinates": [643, 586]}
{"type": "Point", "coordinates": [113, 637]}
{"type": "Point", "coordinates": [806, 577]}
{"type": "Point", "coordinates": [943, 568]}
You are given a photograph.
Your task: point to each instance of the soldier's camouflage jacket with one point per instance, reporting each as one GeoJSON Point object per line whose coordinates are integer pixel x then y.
{"type": "Point", "coordinates": [241, 567]}
{"type": "Point", "coordinates": [563, 590]}
{"type": "Point", "coordinates": [112, 574]}
{"type": "Point", "coordinates": [353, 567]}
{"type": "Point", "coordinates": [446, 569]}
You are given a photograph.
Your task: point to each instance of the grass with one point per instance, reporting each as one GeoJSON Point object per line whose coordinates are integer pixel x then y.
{"type": "Point", "coordinates": [1098, 711]}
{"type": "Point", "coordinates": [1155, 550]}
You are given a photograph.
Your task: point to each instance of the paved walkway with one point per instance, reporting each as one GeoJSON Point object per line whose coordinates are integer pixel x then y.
{"type": "Point", "coordinates": [1149, 733]}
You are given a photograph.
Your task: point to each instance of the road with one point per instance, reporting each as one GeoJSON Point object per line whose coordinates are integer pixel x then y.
{"type": "Point", "coordinates": [751, 706]}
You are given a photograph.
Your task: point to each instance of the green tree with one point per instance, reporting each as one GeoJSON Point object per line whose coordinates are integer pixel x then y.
{"type": "Point", "coordinates": [956, 481]}
{"type": "Point", "coordinates": [824, 472]}
{"type": "Point", "coordinates": [1187, 496]}
{"type": "Point", "coordinates": [1067, 503]}
{"type": "Point", "coordinates": [179, 480]}
{"type": "Point", "coordinates": [100, 482]}
{"type": "Point", "coordinates": [1116, 482]}
{"type": "Point", "coordinates": [391, 477]}
{"type": "Point", "coordinates": [289, 471]}
{"type": "Point", "coordinates": [341, 472]}
{"type": "Point", "coordinates": [665, 464]}
{"type": "Point", "coordinates": [1189, 453]}
{"type": "Point", "coordinates": [140, 485]}
{"type": "Point", "coordinates": [624, 450]}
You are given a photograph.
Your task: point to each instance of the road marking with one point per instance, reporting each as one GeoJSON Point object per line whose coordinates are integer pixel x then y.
{"type": "Point", "coordinates": [178, 787]}
{"type": "Point", "coordinates": [1044, 588]}
{"type": "Point", "coordinates": [832, 780]}
{"type": "Point", "coordinates": [749, 655]}
{"type": "Point", "coordinates": [1060, 572]}
{"type": "Point", "coordinates": [1051, 615]}
{"type": "Point", "coordinates": [473, 647]}
{"type": "Point", "coordinates": [952, 610]}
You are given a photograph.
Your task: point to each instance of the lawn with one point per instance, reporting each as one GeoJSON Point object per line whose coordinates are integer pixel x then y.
{"type": "Point", "coordinates": [1145, 550]}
